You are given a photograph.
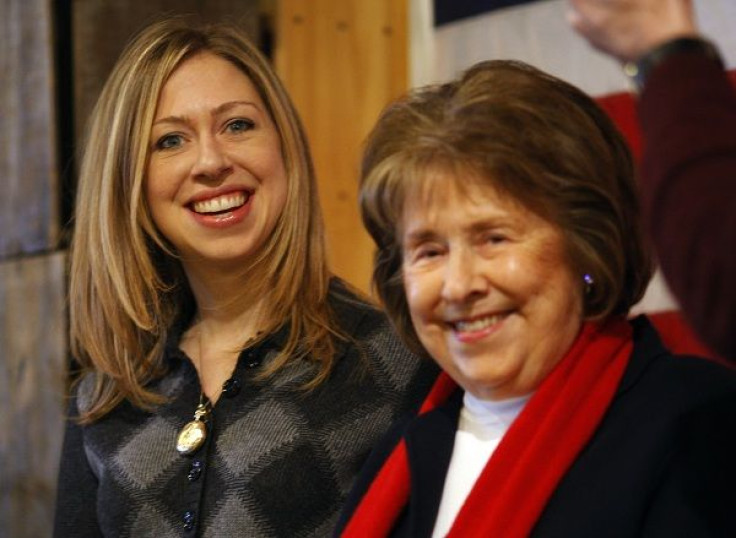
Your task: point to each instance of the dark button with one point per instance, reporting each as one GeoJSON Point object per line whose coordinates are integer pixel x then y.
{"type": "Point", "coordinates": [195, 471]}
{"type": "Point", "coordinates": [188, 520]}
{"type": "Point", "coordinates": [252, 360]}
{"type": "Point", "coordinates": [231, 388]}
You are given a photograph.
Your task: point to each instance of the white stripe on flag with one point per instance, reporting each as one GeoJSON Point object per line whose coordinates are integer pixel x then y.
{"type": "Point", "coordinates": [538, 34]}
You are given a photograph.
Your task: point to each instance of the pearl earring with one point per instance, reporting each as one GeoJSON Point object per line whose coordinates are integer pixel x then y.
{"type": "Point", "coordinates": [589, 282]}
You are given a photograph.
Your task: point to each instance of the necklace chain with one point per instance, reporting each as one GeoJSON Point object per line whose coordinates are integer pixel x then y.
{"type": "Point", "coordinates": [203, 409]}
{"type": "Point", "coordinates": [194, 433]}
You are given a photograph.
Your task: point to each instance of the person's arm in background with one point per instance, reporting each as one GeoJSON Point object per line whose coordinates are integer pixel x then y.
{"type": "Point", "coordinates": [687, 110]}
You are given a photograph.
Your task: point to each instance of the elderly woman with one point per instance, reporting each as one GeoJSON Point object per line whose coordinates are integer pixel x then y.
{"type": "Point", "coordinates": [510, 250]}
{"type": "Point", "coordinates": [230, 385]}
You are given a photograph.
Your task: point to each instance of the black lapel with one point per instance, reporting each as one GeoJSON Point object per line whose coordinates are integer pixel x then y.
{"type": "Point", "coordinates": [429, 443]}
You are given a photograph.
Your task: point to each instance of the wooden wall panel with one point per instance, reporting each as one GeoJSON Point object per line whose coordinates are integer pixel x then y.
{"type": "Point", "coordinates": [32, 318]}
{"type": "Point", "coordinates": [32, 383]}
{"type": "Point", "coordinates": [29, 199]}
{"type": "Point", "coordinates": [342, 61]}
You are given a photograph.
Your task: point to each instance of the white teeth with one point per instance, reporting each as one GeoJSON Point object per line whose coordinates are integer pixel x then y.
{"type": "Point", "coordinates": [221, 203]}
{"type": "Point", "coordinates": [478, 324]}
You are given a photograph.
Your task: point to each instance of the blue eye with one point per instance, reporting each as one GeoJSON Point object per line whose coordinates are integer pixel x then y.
{"type": "Point", "coordinates": [169, 141]}
{"type": "Point", "coordinates": [240, 125]}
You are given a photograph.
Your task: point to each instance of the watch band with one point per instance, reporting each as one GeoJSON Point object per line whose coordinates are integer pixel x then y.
{"type": "Point", "coordinates": [639, 70]}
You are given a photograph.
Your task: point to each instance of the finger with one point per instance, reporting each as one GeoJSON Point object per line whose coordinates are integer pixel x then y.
{"type": "Point", "coordinates": [577, 20]}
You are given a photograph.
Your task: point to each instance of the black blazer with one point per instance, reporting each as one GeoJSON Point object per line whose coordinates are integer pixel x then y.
{"type": "Point", "coordinates": [660, 464]}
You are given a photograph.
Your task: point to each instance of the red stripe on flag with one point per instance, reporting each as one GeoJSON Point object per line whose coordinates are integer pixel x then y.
{"type": "Point", "coordinates": [621, 107]}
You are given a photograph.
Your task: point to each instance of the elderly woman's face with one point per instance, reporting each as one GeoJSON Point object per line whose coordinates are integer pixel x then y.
{"type": "Point", "coordinates": [489, 289]}
{"type": "Point", "coordinates": [216, 182]}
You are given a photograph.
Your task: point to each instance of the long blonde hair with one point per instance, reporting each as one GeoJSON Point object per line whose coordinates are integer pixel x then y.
{"type": "Point", "coordinates": [126, 284]}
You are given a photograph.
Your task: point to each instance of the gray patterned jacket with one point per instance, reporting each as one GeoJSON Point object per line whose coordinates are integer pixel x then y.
{"type": "Point", "coordinates": [278, 462]}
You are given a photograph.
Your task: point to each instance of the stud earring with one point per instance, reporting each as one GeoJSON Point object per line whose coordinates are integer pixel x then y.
{"type": "Point", "coordinates": [588, 283]}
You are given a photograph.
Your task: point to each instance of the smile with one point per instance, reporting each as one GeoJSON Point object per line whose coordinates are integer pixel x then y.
{"type": "Point", "coordinates": [479, 324]}
{"type": "Point", "coordinates": [220, 204]}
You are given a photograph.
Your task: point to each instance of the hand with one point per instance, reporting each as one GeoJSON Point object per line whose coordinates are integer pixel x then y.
{"type": "Point", "coordinates": [626, 29]}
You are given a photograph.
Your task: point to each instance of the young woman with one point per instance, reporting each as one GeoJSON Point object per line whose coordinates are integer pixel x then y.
{"type": "Point", "coordinates": [230, 386]}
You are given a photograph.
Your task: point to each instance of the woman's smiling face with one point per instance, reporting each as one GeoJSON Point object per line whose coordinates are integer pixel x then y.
{"type": "Point", "coordinates": [216, 182]}
{"type": "Point", "coordinates": [489, 288]}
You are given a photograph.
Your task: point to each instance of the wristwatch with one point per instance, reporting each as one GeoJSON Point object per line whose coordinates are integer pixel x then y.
{"type": "Point", "coordinates": [639, 70]}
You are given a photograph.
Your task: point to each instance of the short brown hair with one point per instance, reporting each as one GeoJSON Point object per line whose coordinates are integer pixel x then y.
{"type": "Point", "coordinates": [533, 137]}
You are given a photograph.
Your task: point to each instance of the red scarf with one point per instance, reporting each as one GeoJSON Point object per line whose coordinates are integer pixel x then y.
{"type": "Point", "coordinates": [533, 456]}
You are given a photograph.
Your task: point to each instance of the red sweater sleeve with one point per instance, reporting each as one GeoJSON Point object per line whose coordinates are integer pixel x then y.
{"type": "Point", "coordinates": [688, 118]}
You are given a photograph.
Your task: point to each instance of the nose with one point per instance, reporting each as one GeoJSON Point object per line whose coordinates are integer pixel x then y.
{"type": "Point", "coordinates": [212, 162]}
{"type": "Point", "coordinates": [464, 279]}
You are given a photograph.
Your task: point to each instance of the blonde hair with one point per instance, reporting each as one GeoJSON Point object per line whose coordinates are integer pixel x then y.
{"type": "Point", "coordinates": [126, 284]}
{"type": "Point", "coordinates": [533, 137]}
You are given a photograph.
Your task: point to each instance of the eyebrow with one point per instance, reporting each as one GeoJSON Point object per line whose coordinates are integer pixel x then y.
{"type": "Point", "coordinates": [416, 237]}
{"type": "Point", "coordinates": [420, 235]}
{"type": "Point", "coordinates": [493, 221]}
{"type": "Point", "coordinates": [220, 109]}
